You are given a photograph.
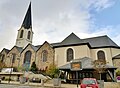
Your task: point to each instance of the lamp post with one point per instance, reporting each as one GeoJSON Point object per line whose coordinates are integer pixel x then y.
{"type": "Point", "coordinates": [76, 66]}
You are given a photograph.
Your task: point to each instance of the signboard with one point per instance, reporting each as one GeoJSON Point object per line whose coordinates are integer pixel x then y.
{"type": "Point", "coordinates": [76, 66]}
{"type": "Point", "coordinates": [7, 70]}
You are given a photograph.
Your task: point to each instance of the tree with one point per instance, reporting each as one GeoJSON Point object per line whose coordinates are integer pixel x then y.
{"type": "Point", "coordinates": [53, 71]}
{"type": "Point", "coordinates": [100, 66]}
{"type": "Point", "coordinates": [33, 67]}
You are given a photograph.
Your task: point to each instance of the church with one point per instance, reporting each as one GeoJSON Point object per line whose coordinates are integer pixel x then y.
{"type": "Point", "coordinates": [72, 48]}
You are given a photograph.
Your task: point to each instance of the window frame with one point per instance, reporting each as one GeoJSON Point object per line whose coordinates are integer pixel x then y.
{"type": "Point", "coordinates": [29, 34]}
{"type": "Point", "coordinates": [27, 58]}
{"type": "Point", "coordinates": [21, 33]}
{"type": "Point", "coordinates": [44, 55]}
{"type": "Point", "coordinates": [101, 55]}
{"type": "Point", "coordinates": [69, 54]}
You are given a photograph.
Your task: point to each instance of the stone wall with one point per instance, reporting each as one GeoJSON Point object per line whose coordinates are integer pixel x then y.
{"type": "Point", "coordinates": [111, 84]}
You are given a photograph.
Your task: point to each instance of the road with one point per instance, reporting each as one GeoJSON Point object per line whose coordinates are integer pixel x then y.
{"type": "Point", "coordinates": [16, 86]}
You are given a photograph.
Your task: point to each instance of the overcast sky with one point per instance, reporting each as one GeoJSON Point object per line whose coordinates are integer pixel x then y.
{"type": "Point", "coordinates": [53, 20]}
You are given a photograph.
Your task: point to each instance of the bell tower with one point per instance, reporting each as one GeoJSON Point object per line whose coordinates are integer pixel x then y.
{"type": "Point", "coordinates": [25, 33]}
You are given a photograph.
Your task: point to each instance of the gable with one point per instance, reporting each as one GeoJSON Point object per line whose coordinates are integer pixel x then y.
{"type": "Point", "coordinates": [45, 45]}
{"type": "Point", "coordinates": [14, 50]}
{"type": "Point", "coordinates": [5, 51]}
{"type": "Point", "coordinates": [71, 39]}
{"type": "Point", "coordinates": [31, 47]}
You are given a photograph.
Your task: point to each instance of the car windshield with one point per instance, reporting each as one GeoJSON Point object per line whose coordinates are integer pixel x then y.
{"type": "Point", "coordinates": [90, 81]}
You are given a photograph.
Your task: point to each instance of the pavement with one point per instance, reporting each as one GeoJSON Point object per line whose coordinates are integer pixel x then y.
{"type": "Point", "coordinates": [45, 85]}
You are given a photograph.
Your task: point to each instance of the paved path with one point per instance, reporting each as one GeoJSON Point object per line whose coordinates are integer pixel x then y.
{"type": "Point", "coordinates": [14, 84]}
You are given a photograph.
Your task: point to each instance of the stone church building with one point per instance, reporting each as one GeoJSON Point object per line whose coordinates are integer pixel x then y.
{"type": "Point", "coordinates": [23, 54]}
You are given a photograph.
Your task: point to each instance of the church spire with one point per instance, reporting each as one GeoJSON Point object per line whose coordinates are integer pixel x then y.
{"type": "Point", "coordinates": [27, 23]}
{"type": "Point", "coordinates": [25, 33]}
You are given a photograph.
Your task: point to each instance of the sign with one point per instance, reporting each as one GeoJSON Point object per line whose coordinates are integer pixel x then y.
{"type": "Point", "coordinates": [76, 66]}
{"type": "Point", "coordinates": [7, 70]}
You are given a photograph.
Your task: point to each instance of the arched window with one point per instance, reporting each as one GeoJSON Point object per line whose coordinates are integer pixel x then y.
{"type": "Point", "coordinates": [101, 55]}
{"type": "Point", "coordinates": [28, 36]}
{"type": "Point", "coordinates": [70, 54]}
{"type": "Point", "coordinates": [27, 57]}
{"type": "Point", "coordinates": [14, 57]}
{"type": "Point", "coordinates": [44, 55]}
{"type": "Point", "coordinates": [21, 34]}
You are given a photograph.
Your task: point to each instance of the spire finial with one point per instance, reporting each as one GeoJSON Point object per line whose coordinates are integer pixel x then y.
{"type": "Point", "coordinates": [27, 23]}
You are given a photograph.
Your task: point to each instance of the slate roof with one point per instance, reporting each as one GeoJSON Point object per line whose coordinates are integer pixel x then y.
{"type": "Point", "coordinates": [35, 47]}
{"type": "Point", "coordinates": [94, 42]}
{"type": "Point", "coordinates": [27, 23]}
{"type": "Point", "coordinates": [101, 41]}
{"type": "Point", "coordinates": [6, 50]}
{"type": "Point", "coordinates": [19, 49]}
{"type": "Point", "coordinates": [71, 39]}
{"type": "Point", "coordinates": [85, 61]}
{"type": "Point", "coordinates": [86, 64]}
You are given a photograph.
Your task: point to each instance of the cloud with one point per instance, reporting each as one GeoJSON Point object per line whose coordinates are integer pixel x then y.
{"type": "Point", "coordinates": [99, 5]}
{"type": "Point", "coordinates": [53, 20]}
{"type": "Point", "coordinates": [110, 31]}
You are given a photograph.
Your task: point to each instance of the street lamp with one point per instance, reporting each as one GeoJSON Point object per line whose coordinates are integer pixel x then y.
{"type": "Point", "coordinates": [76, 66]}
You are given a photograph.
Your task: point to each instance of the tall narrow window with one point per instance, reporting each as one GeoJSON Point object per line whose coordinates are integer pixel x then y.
{"type": "Point", "coordinates": [44, 55]}
{"type": "Point", "coordinates": [13, 59]}
{"type": "Point", "coordinates": [27, 57]}
{"type": "Point", "coordinates": [101, 55]}
{"type": "Point", "coordinates": [28, 36]}
{"type": "Point", "coordinates": [27, 60]}
{"type": "Point", "coordinates": [69, 54]}
{"type": "Point", "coordinates": [21, 34]}
{"type": "Point", "coordinates": [2, 57]}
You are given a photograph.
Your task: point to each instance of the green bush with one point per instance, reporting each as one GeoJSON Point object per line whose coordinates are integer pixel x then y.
{"type": "Point", "coordinates": [117, 72]}
{"type": "Point", "coordinates": [33, 67]}
{"type": "Point", "coordinates": [52, 71]}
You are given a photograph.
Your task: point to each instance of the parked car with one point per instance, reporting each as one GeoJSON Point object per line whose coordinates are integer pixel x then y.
{"type": "Point", "coordinates": [89, 83]}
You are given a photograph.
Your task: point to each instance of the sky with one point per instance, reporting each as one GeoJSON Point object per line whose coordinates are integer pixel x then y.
{"type": "Point", "coordinates": [54, 20]}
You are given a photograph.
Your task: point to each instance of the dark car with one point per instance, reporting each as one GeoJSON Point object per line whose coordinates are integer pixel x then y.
{"type": "Point", "coordinates": [89, 83]}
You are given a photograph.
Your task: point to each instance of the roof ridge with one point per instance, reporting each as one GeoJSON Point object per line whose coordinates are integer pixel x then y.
{"type": "Point", "coordinates": [95, 37]}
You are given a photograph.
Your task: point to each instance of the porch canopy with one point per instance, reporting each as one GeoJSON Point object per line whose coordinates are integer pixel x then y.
{"type": "Point", "coordinates": [86, 63]}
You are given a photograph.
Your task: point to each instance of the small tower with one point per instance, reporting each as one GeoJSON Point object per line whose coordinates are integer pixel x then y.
{"type": "Point", "coordinates": [25, 33]}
